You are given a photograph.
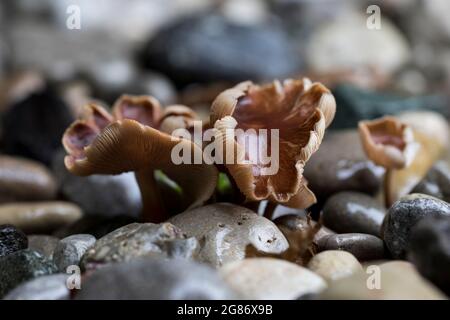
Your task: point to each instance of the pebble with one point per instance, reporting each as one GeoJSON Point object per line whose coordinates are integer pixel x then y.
{"type": "Point", "coordinates": [398, 281]}
{"type": "Point", "coordinates": [70, 250]}
{"type": "Point", "coordinates": [334, 264]}
{"type": "Point", "coordinates": [430, 250]}
{"type": "Point", "coordinates": [43, 244]}
{"type": "Point", "coordinates": [225, 230]}
{"type": "Point", "coordinates": [209, 47]}
{"type": "Point", "coordinates": [298, 223]}
{"type": "Point", "coordinates": [404, 214]}
{"type": "Point", "coordinates": [340, 164]}
{"type": "Point", "coordinates": [363, 246]}
{"type": "Point", "coordinates": [39, 216]}
{"type": "Point", "coordinates": [25, 180]}
{"type": "Point", "coordinates": [171, 279]}
{"type": "Point", "coordinates": [122, 196]}
{"type": "Point", "coordinates": [348, 212]}
{"type": "Point", "coordinates": [21, 266]}
{"type": "Point", "coordinates": [33, 127]}
{"type": "Point", "coordinates": [437, 182]}
{"type": "Point", "coordinates": [51, 287]}
{"type": "Point", "coordinates": [270, 279]}
{"type": "Point", "coordinates": [11, 240]}
{"type": "Point", "coordinates": [140, 239]}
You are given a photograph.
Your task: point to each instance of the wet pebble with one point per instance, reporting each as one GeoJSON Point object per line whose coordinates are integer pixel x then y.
{"type": "Point", "coordinates": [270, 279]}
{"type": "Point", "coordinates": [430, 250]}
{"type": "Point", "coordinates": [348, 212]}
{"type": "Point", "coordinates": [51, 287]}
{"type": "Point", "coordinates": [225, 230]}
{"type": "Point", "coordinates": [363, 246]}
{"type": "Point", "coordinates": [21, 266]}
{"type": "Point", "coordinates": [437, 182]}
{"type": "Point", "coordinates": [11, 240]}
{"type": "Point", "coordinates": [341, 165]}
{"type": "Point", "coordinates": [169, 279]}
{"type": "Point", "coordinates": [404, 214]}
{"type": "Point", "coordinates": [39, 216]}
{"type": "Point", "coordinates": [334, 264]}
{"type": "Point", "coordinates": [25, 180]}
{"type": "Point", "coordinates": [43, 244]}
{"type": "Point", "coordinates": [140, 239]}
{"type": "Point", "coordinates": [70, 250]}
{"type": "Point", "coordinates": [299, 223]}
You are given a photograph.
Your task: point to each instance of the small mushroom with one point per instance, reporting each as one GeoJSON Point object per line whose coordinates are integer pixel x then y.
{"type": "Point", "coordinates": [130, 140]}
{"type": "Point", "coordinates": [388, 143]}
{"type": "Point", "coordinates": [299, 109]}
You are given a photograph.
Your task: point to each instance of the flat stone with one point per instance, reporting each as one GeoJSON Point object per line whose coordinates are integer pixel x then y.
{"type": "Point", "coordinates": [11, 240]}
{"type": "Point", "coordinates": [270, 279]}
{"type": "Point", "coordinates": [21, 266]}
{"type": "Point", "coordinates": [404, 214]}
{"type": "Point", "coordinates": [43, 244]}
{"type": "Point", "coordinates": [70, 250]}
{"type": "Point", "coordinates": [39, 216]}
{"type": "Point", "coordinates": [437, 182]}
{"type": "Point", "coordinates": [165, 279]}
{"type": "Point", "coordinates": [348, 212]}
{"type": "Point", "coordinates": [138, 240]}
{"type": "Point", "coordinates": [25, 180]}
{"type": "Point", "coordinates": [51, 287]}
{"type": "Point", "coordinates": [363, 246]}
{"type": "Point", "coordinates": [225, 230]}
{"type": "Point", "coordinates": [334, 264]}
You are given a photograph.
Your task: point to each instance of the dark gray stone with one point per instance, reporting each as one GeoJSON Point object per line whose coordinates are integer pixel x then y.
{"type": "Point", "coordinates": [364, 247]}
{"type": "Point", "coordinates": [348, 212]}
{"type": "Point", "coordinates": [70, 250]}
{"type": "Point", "coordinates": [21, 266]}
{"type": "Point", "coordinates": [404, 214]}
{"type": "Point", "coordinates": [51, 287]}
{"type": "Point", "coordinates": [43, 244]}
{"type": "Point", "coordinates": [437, 182]}
{"type": "Point", "coordinates": [430, 250]}
{"type": "Point", "coordinates": [11, 240]}
{"type": "Point", "coordinates": [154, 278]}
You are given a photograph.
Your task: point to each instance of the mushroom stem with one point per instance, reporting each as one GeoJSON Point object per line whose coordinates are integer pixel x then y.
{"type": "Point", "coordinates": [270, 209]}
{"type": "Point", "coordinates": [152, 206]}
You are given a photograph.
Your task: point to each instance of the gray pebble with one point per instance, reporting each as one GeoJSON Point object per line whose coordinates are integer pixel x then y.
{"type": "Point", "coordinates": [51, 287]}
{"type": "Point", "coordinates": [437, 182]}
{"type": "Point", "coordinates": [43, 244]}
{"type": "Point", "coordinates": [70, 250]}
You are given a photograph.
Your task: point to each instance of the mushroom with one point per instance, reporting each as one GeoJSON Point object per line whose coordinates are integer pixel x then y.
{"type": "Point", "coordinates": [299, 109]}
{"type": "Point", "coordinates": [130, 140]}
{"type": "Point", "coordinates": [388, 143]}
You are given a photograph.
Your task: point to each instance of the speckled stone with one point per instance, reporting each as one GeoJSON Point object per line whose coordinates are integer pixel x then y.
{"type": "Point", "coordinates": [348, 212]}
{"type": "Point", "coordinates": [70, 250]}
{"type": "Point", "coordinates": [224, 231]}
{"type": "Point", "coordinates": [270, 279]}
{"type": "Point", "coordinates": [334, 264]}
{"type": "Point", "coordinates": [404, 214]}
{"type": "Point", "coordinates": [51, 287]}
{"type": "Point", "coordinates": [165, 279]}
{"type": "Point", "coordinates": [140, 239]}
{"type": "Point", "coordinates": [43, 244]}
{"type": "Point", "coordinates": [437, 182]}
{"type": "Point", "coordinates": [11, 240]}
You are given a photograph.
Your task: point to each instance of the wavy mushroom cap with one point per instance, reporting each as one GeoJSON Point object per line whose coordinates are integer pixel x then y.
{"type": "Point", "coordinates": [388, 142]}
{"type": "Point", "coordinates": [176, 117]}
{"type": "Point", "coordinates": [299, 110]}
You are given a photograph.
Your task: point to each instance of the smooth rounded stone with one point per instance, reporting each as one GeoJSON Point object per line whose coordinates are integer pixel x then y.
{"type": "Point", "coordinates": [154, 279]}
{"type": "Point", "coordinates": [225, 230]}
{"type": "Point", "coordinates": [108, 195]}
{"type": "Point", "coordinates": [363, 246]}
{"type": "Point", "coordinates": [298, 223]}
{"type": "Point", "coordinates": [437, 182]}
{"type": "Point", "coordinates": [347, 212]}
{"type": "Point", "coordinates": [209, 47]}
{"type": "Point", "coordinates": [39, 216]}
{"type": "Point", "coordinates": [43, 244]}
{"type": "Point", "coordinates": [25, 180]}
{"type": "Point", "coordinates": [334, 264]}
{"type": "Point", "coordinates": [33, 127]}
{"type": "Point", "coordinates": [70, 250]}
{"type": "Point", "coordinates": [340, 164]}
{"type": "Point", "coordinates": [404, 214]}
{"type": "Point", "coordinates": [398, 280]}
{"type": "Point", "coordinates": [430, 250]}
{"type": "Point", "coordinates": [140, 239]}
{"type": "Point", "coordinates": [11, 240]}
{"type": "Point", "coordinates": [270, 279]}
{"type": "Point", "coordinates": [21, 266]}
{"type": "Point", "coordinates": [51, 287]}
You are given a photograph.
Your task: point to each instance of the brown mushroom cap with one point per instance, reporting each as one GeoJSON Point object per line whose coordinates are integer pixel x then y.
{"type": "Point", "coordinates": [176, 117]}
{"type": "Point", "coordinates": [299, 109]}
{"type": "Point", "coordinates": [388, 142]}
{"type": "Point", "coordinates": [144, 109]}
